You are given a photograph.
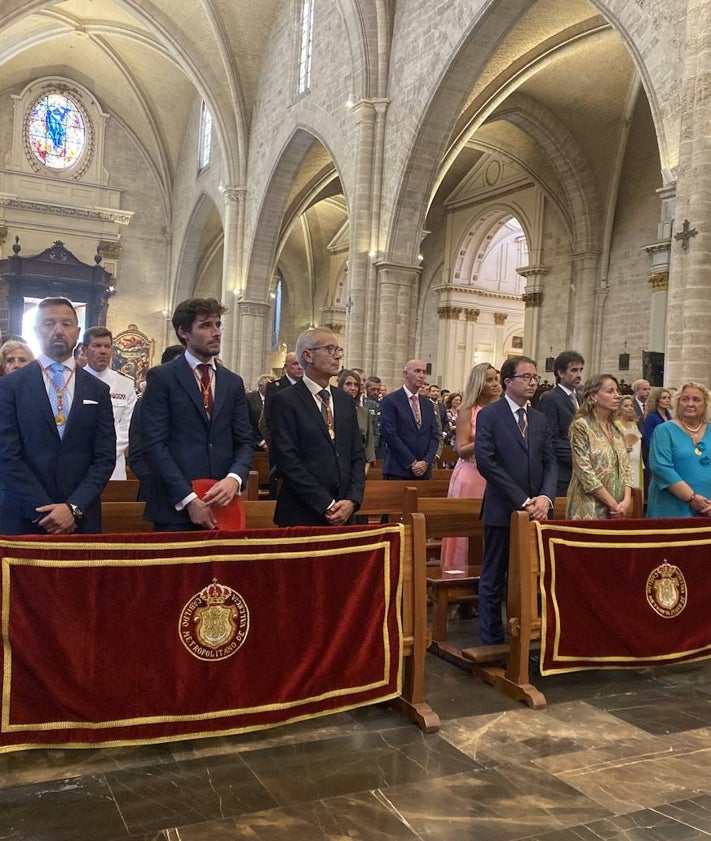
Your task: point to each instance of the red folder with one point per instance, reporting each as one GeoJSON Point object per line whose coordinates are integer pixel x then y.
{"type": "Point", "coordinates": [229, 518]}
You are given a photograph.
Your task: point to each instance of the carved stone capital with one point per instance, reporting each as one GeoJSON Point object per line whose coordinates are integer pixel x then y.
{"type": "Point", "coordinates": [659, 281]}
{"type": "Point", "coordinates": [532, 299]}
{"type": "Point", "coordinates": [471, 314]}
{"type": "Point", "coordinates": [110, 249]}
{"type": "Point", "coordinates": [500, 318]}
{"type": "Point", "coordinates": [451, 313]}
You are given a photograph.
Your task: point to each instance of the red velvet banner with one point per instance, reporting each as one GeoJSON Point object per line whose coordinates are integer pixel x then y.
{"type": "Point", "coordinates": [128, 639]}
{"type": "Point", "coordinates": [627, 593]}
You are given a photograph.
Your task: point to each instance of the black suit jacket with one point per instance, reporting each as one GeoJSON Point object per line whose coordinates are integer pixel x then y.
{"type": "Point", "coordinates": [273, 388]}
{"type": "Point", "coordinates": [558, 408]}
{"type": "Point", "coordinates": [514, 468]}
{"type": "Point", "coordinates": [37, 467]}
{"type": "Point", "coordinates": [255, 402]}
{"type": "Point", "coordinates": [315, 470]}
{"type": "Point", "coordinates": [181, 444]}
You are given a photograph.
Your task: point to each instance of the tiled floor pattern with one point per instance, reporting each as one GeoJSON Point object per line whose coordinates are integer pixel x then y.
{"type": "Point", "coordinates": [614, 755]}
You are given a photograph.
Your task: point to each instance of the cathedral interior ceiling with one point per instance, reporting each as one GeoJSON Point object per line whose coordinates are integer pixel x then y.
{"type": "Point", "coordinates": [146, 60]}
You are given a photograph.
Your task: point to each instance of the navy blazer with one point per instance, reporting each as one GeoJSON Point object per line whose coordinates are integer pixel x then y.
{"type": "Point", "coordinates": [180, 443]}
{"type": "Point", "coordinates": [406, 443]}
{"type": "Point", "coordinates": [515, 468]}
{"type": "Point", "coordinates": [37, 467]}
{"type": "Point", "coordinates": [314, 468]}
{"type": "Point", "coordinates": [558, 408]}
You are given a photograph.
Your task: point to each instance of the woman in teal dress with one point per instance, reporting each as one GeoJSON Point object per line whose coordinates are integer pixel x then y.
{"type": "Point", "coordinates": [680, 458]}
{"type": "Point", "coordinates": [601, 480]}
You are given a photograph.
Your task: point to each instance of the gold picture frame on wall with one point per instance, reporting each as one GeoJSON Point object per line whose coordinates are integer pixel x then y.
{"type": "Point", "coordinates": [132, 353]}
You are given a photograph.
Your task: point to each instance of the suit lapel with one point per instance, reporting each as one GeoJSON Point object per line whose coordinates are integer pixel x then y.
{"type": "Point", "coordinates": [513, 424]}
{"type": "Point", "coordinates": [45, 408]}
{"type": "Point", "coordinates": [186, 378]}
{"type": "Point", "coordinates": [220, 390]}
{"type": "Point", "coordinates": [311, 408]}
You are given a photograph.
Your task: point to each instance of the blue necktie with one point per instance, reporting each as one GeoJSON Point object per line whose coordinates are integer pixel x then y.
{"type": "Point", "coordinates": [57, 370]}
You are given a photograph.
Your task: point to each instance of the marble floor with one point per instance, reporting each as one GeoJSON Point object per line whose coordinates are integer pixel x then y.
{"type": "Point", "coordinates": [614, 755]}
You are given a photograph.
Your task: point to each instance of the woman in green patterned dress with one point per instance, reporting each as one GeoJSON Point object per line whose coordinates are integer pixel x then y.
{"type": "Point", "coordinates": [601, 482]}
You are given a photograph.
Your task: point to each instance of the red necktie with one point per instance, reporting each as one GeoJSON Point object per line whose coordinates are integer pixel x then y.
{"type": "Point", "coordinates": [206, 387]}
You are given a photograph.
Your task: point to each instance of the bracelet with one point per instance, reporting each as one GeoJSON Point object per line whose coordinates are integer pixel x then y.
{"type": "Point", "coordinates": [691, 499]}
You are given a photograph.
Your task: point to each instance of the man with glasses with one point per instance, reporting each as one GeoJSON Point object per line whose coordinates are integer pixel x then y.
{"type": "Point", "coordinates": [316, 443]}
{"type": "Point", "coordinates": [514, 453]}
{"type": "Point", "coordinates": [409, 428]}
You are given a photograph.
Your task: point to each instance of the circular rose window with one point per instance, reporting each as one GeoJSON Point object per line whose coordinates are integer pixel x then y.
{"type": "Point", "coordinates": [56, 131]}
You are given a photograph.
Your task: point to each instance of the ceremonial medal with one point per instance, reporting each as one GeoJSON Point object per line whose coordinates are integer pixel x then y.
{"type": "Point", "coordinates": [697, 451]}
{"type": "Point", "coordinates": [59, 419]}
{"type": "Point", "coordinates": [332, 433]}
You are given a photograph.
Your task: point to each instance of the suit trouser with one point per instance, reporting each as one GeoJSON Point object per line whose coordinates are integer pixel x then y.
{"type": "Point", "coordinates": [492, 584]}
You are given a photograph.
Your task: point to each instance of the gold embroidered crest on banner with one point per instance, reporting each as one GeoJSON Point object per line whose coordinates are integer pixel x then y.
{"type": "Point", "coordinates": [214, 623]}
{"type": "Point", "coordinates": [666, 590]}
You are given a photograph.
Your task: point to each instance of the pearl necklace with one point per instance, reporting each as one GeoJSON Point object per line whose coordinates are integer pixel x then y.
{"type": "Point", "coordinates": [689, 429]}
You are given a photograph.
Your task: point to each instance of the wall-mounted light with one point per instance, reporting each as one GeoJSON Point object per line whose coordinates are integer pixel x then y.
{"type": "Point", "coordinates": [350, 102]}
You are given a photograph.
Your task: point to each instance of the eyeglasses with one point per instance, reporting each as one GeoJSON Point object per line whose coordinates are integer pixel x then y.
{"type": "Point", "coordinates": [527, 378]}
{"type": "Point", "coordinates": [331, 350]}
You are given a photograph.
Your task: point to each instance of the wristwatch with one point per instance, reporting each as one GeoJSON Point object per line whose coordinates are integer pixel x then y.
{"type": "Point", "coordinates": [76, 511]}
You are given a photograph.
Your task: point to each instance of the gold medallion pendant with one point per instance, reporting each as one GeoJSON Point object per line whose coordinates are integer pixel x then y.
{"type": "Point", "coordinates": [59, 419]}
{"type": "Point", "coordinates": [332, 433]}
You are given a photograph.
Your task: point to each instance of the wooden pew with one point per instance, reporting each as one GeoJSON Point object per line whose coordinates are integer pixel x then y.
{"type": "Point", "coordinates": [411, 702]}
{"type": "Point", "coordinates": [449, 518]}
{"type": "Point", "coordinates": [376, 473]}
{"type": "Point", "coordinates": [124, 518]}
{"type": "Point", "coordinates": [127, 517]}
{"type": "Point", "coordinates": [120, 490]}
{"type": "Point", "coordinates": [260, 464]}
{"type": "Point", "coordinates": [388, 497]}
{"type": "Point", "coordinates": [522, 611]}
{"type": "Point", "coordinates": [448, 456]}
{"type": "Point", "coordinates": [259, 513]}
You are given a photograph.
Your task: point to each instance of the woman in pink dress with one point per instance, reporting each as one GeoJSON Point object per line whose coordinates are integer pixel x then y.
{"type": "Point", "coordinates": [467, 483]}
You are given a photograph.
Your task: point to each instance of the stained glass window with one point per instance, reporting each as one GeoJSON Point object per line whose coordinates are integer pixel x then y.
{"type": "Point", "coordinates": [56, 131]}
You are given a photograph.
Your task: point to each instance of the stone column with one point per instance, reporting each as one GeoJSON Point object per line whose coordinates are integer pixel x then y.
{"type": "Point", "coordinates": [232, 284]}
{"type": "Point", "coordinates": [688, 334]}
{"type": "Point", "coordinates": [533, 300]}
{"type": "Point", "coordinates": [660, 253]}
{"type": "Point", "coordinates": [395, 314]}
{"type": "Point", "coordinates": [254, 333]}
{"type": "Point", "coordinates": [361, 271]}
{"type": "Point", "coordinates": [471, 317]}
{"type": "Point", "coordinates": [449, 363]}
{"type": "Point", "coordinates": [499, 321]}
{"type": "Point", "coordinates": [586, 268]}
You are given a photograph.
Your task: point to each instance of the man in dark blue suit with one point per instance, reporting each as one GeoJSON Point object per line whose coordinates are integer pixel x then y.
{"type": "Point", "coordinates": [316, 443]}
{"type": "Point", "coordinates": [514, 453]}
{"type": "Point", "coordinates": [409, 428]}
{"type": "Point", "coordinates": [194, 425]}
{"type": "Point", "coordinates": [57, 437]}
{"type": "Point", "coordinates": [559, 405]}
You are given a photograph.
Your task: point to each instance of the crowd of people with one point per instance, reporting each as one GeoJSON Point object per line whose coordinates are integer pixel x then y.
{"type": "Point", "coordinates": [67, 423]}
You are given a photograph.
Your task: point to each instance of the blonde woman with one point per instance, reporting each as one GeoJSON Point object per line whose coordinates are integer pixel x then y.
{"type": "Point", "coordinates": [680, 458]}
{"type": "Point", "coordinates": [633, 438]}
{"type": "Point", "coordinates": [13, 356]}
{"type": "Point", "coordinates": [656, 411]}
{"type": "Point", "coordinates": [467, 483]}
{"type": "Point", "coordinates": [601, 481]}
